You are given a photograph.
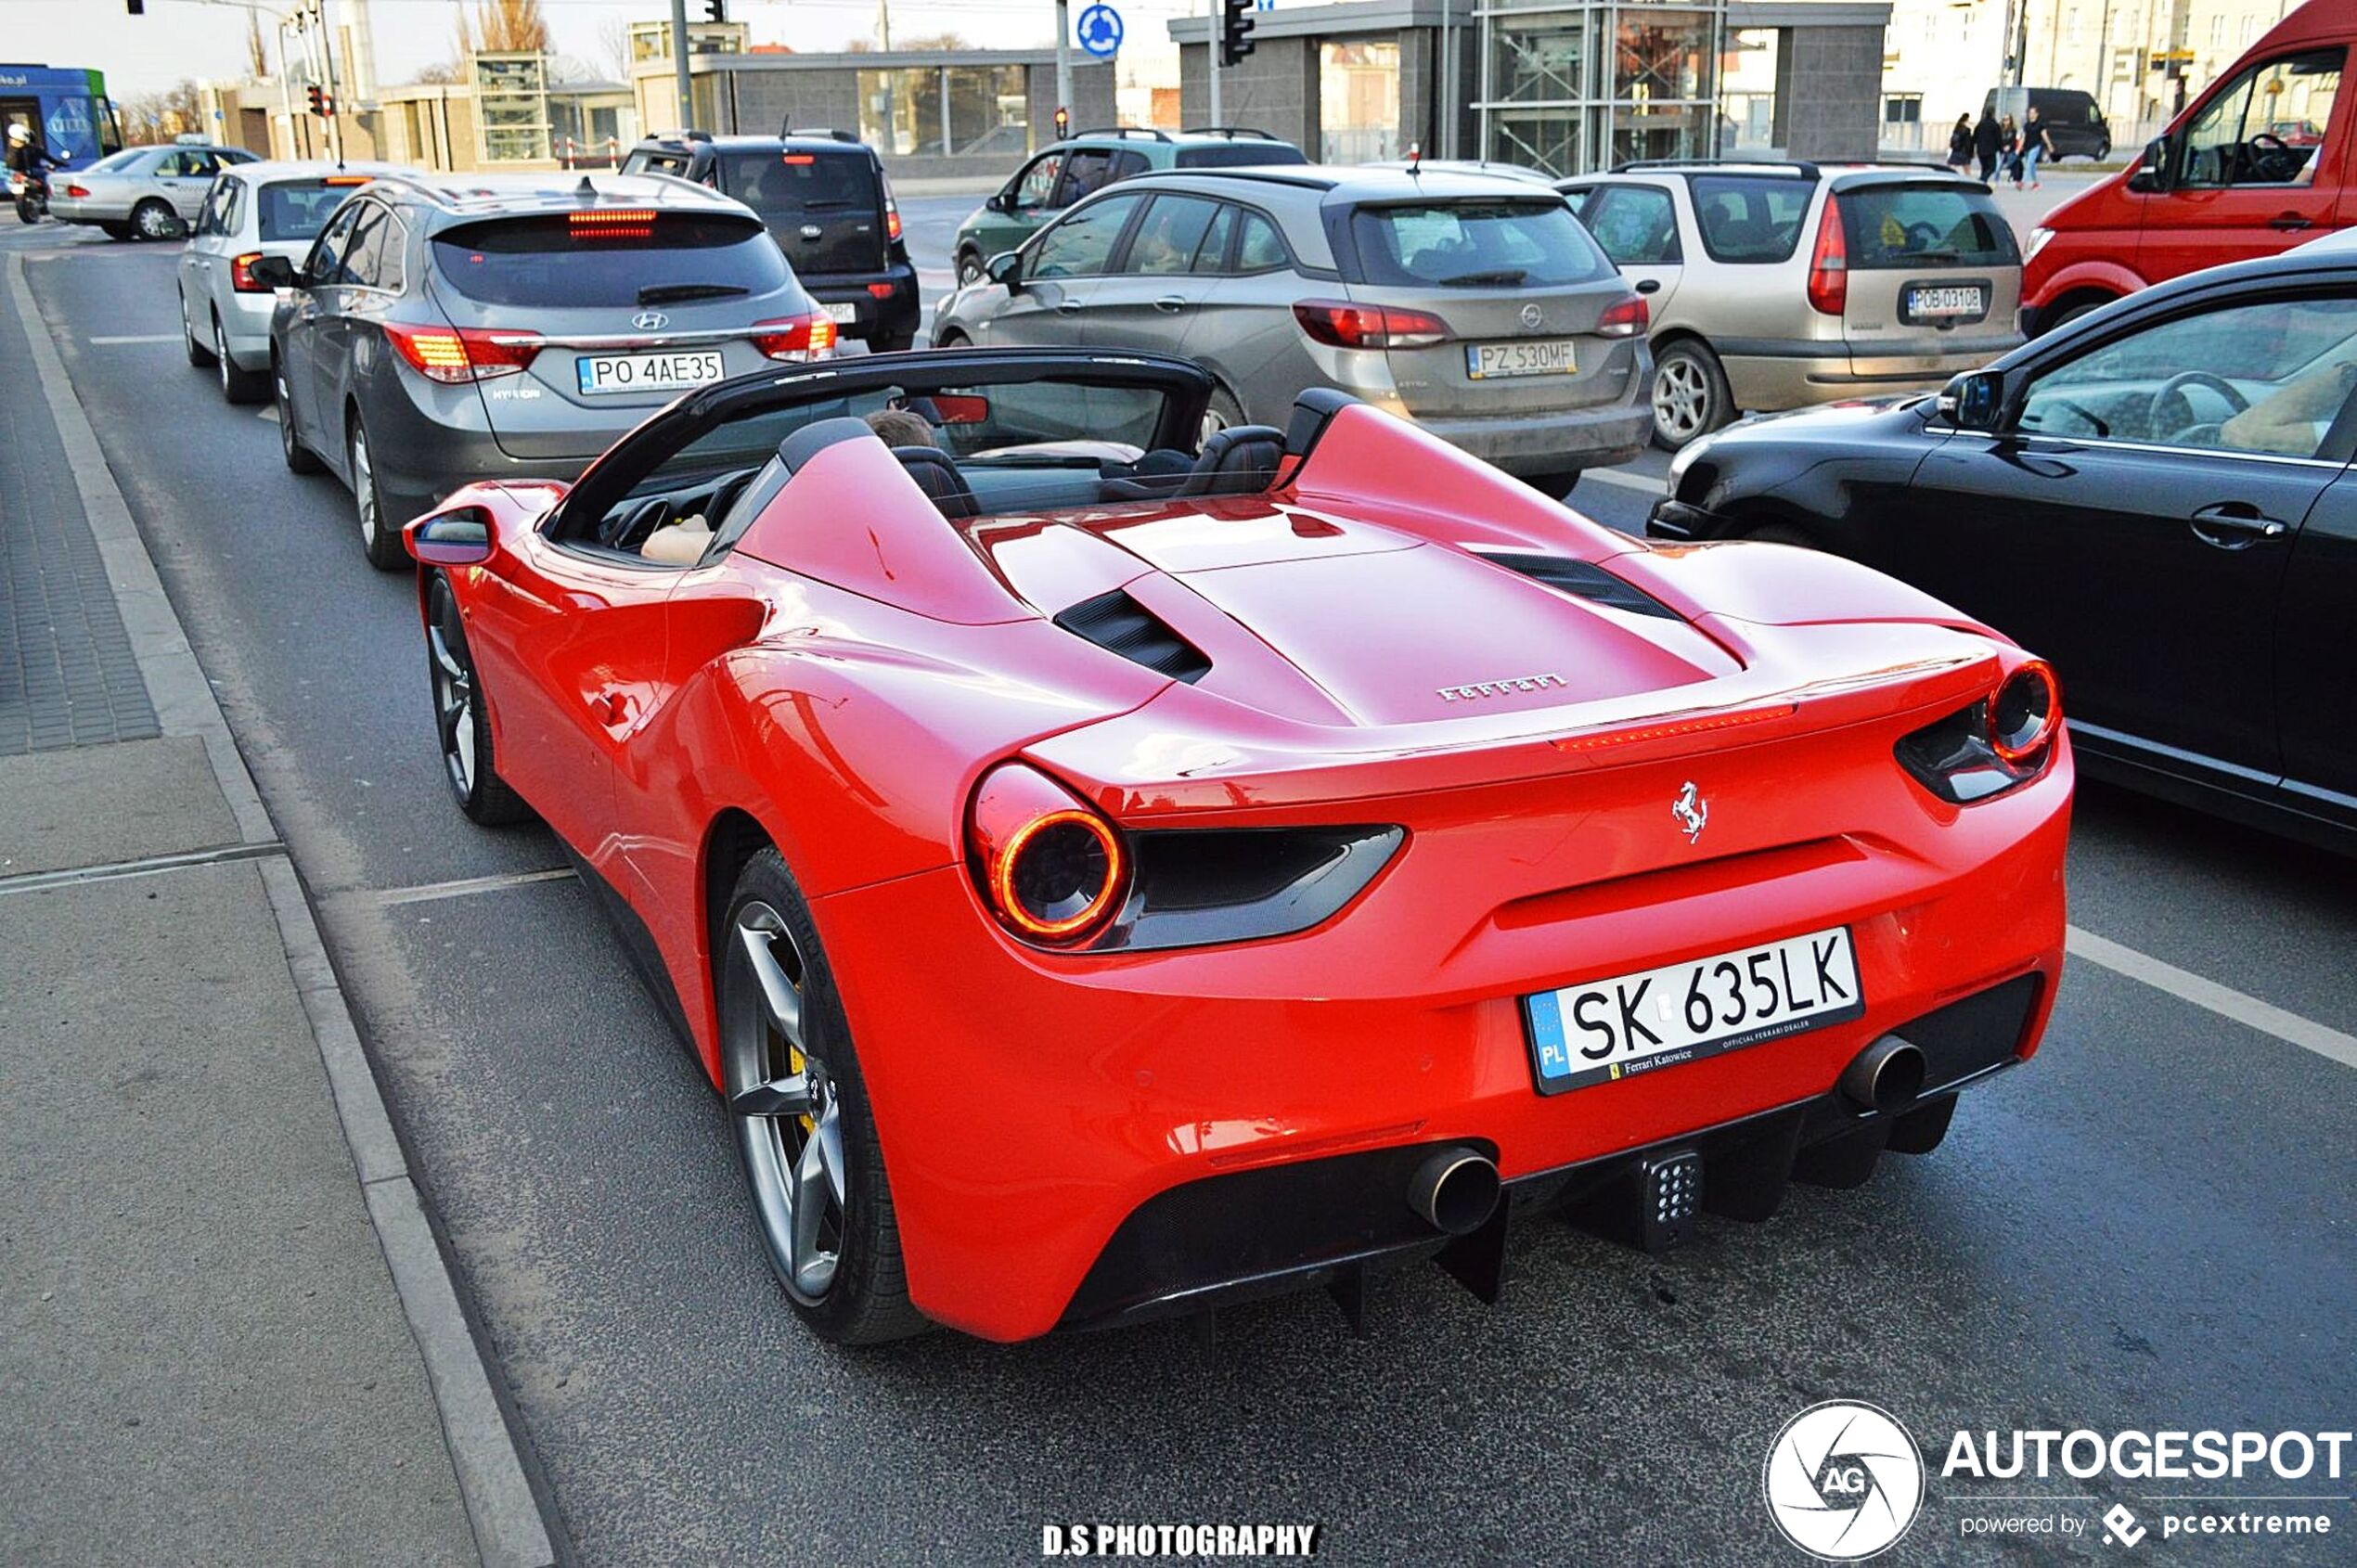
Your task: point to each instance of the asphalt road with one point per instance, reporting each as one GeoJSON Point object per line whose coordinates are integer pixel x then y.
{"type": "Point", "coordinates": [2150, 1227]}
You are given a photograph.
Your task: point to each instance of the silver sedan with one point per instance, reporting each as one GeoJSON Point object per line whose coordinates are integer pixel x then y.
{"type": "Point", "coordinates": [143, 192]}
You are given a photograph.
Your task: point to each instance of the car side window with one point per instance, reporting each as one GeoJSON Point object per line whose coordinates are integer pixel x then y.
{"type": "Point", "coordinates": [232, 197]}
{"type": "Point", "coordinates": [210, 217]}
{"type": "Point", "coordinates": [1636, 224]}
{"type": "Point", "coordinates": [2266, 127]}
{"type": "Point", "coordinates": [1038, 182]}
{"type": "Point", "coordinates": [1170, 236]}
{"type": "Point", "coordinates": [1080, 245]}
{"type": "Point", "coordinates": [1086, 171]}
{"type": "Point", "coordinates": [1211, 255]}
{"type": "Point", "coordinates": [1751, 218]}
{"type": "Point", "coordinates": [1577, 198]}
{"type": "Point", "coordinates": [2277, 374]}
{"type": "Point", "coordinates": [363, 257]}
{"type": "Point", "coordinates": [1260, 248]}
{"type": "Point", "coordinates": [327, 251]}
{"type": "Point", "coordinates": [1125, 164]}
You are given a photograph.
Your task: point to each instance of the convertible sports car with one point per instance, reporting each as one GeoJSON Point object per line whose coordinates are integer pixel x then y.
{"type": "Point", "coordinates": [1110, 871]}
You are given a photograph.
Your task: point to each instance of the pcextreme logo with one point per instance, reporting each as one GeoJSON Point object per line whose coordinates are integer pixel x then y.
{"type": "Point", "coordinates": [1843, 1480]}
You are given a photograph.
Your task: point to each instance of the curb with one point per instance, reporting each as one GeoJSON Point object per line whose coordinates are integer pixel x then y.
{"type": "Point", "coordinates": [509, 1531]}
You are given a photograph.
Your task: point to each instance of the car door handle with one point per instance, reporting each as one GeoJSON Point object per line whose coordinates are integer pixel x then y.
{"type": "Point", "coordinates": [2235, 526]}
{"type": "Point", "coordinates": [1068, 308]}
{"type": "Point", "coordinates": [2290, 223]}
{"type": "Point", "coordinates": [1171, 304]}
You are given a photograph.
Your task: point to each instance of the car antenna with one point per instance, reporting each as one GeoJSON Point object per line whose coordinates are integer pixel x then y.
{"type": "Point", "coordinates": [584, 190]}
{"type": "Point", "coordinates": [1416, 159]}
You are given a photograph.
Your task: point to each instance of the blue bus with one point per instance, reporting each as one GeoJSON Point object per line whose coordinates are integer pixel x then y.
{"type": "Point", "coordinates": [67, 110]}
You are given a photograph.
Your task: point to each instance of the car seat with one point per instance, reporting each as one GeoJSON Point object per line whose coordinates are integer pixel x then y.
{"type": "Point", "coordinates": [1239, 460]}
{"type": "Point", "coordinates": [936, 474]}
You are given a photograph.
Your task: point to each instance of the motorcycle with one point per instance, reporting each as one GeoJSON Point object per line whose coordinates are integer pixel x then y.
{"type": "Point", "coordinates": [31, 194]}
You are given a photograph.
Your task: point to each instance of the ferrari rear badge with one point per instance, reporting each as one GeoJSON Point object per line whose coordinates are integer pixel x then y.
{"type": "Point", "coordinates": [1691, 811]}
{"type": "Point", "coordinates": [1473, 691]}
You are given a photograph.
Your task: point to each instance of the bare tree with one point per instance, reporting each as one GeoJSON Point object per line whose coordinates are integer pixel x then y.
{"type": "Point", "coordinates": [613, 47]}
{"type": "Point", "coordinates": [257, 58]}
{"type": "Point", "coordinates": [510, 26]}
{"type": "Point", "coordinates": [159, 116]}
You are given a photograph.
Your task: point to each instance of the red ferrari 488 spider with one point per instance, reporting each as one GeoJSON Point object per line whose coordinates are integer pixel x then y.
{"type": "Point", "coordinates": [1110, 869]}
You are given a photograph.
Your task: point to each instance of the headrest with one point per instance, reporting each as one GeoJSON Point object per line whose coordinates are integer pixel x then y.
{"type": "Point", "coordinates": [798, 448]}
{"type": "Point", "coordinates": [1311, 411]}
{"type": "Point", "coordinates": [1239, 460]}
{"type": "Point", "coordinates": [936, 474]}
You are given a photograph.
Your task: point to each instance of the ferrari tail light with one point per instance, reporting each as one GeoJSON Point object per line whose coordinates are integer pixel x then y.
{"type": "Point", "coordinates": [454, 356]}
{"type": "Point", "coordinates": [1340, 324]}
{"type": "Point", "coordinates": [241, 276]}
{"type": "Point", "coordinates": [2025, 714]}
{"type": "Point", "coordinates": [1986, 746]}
{"type": "Point", "coordinates": [1829, 262]}
{"type": "Point", "coordinates": [1625, 319]}
{"type": "Point", "coordinates": [796, 337]}
{"type": "Point", "coordinates": [1051, 870]}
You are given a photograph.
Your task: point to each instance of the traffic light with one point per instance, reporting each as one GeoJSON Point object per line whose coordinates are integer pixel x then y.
{"type": "Point", "coordinates": [1235, 31]}
{"type": "Point", "coordinates": [1063, 124]}
{"type": "Point", "coordinates": [137, 8]}
{"type": "Point", "coordinates": [319, 99]}
{"type": "Point", "coordinates": [716, 10]}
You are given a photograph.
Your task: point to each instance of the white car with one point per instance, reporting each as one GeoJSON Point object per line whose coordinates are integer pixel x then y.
{"type": "Point", "coordinates": [253, 210]}
{"type": "Point", "coordinates": [142, 192]}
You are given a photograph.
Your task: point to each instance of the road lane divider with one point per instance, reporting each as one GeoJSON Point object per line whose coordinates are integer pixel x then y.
{"type": "Point", "coordinates": [2223, 1001]}
{"type": "Point", "coordinates": [136, 338]}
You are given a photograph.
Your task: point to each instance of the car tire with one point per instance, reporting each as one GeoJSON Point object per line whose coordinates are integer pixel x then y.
{"type": "Point", "coordinates": [953, 339]}
{"type": "Point", "coordinates": [893, 343]}
{"type": "Point", "coordinates": [2085, 307]}
{"type": "Point", "coordinates": [117, 231]}
{"type": "Point", "coordinates": [154, 219]}
{"type": "Point", "coordinates": [379, 537]}
{"type": "Point", "coordinates": [798, 1109]}
{"type": "Point", "coordinates": [462, 724]}
{"type": "Point", "coordinates": [1690, 395]}
{"type": "Point", "coordinates": [970, 262]}
{"type": "Point", "coordinates": [299, 458]}
{"type": "Point", "coordinates": [236, 386]}
{"type": "Point", "coordinates": [199, 355]}
{"type": "Point", "coordinates": [1556, 485]}
{"type": "Point", "coordinates": [1222, 413]}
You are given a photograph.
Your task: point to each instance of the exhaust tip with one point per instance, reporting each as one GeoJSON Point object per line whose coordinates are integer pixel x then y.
{"type": "Point", "coordinates": [1456, 1191]}
{"type": "Point", "coordinates": [1886, 1075]}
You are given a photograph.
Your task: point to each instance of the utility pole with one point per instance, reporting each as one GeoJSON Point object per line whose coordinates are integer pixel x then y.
{"type": "Point", "coordinates": [1211, 56]}
{"type": "Point", "coordinates": [679, 59]}
{"type": "Point", "coordinates": [1063, 56]}
{"type": "Point", "coordinates": [884, 29]}
{"type": "Point", "coordinates": [335, 95]}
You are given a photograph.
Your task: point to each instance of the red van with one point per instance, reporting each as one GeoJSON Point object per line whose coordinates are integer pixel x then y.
{"type": "Point", "coordinates": [2259, 162]}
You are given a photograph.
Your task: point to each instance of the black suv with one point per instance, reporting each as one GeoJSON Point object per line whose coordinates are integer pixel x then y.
{"type": "Point", "coordinates": [824, 196]}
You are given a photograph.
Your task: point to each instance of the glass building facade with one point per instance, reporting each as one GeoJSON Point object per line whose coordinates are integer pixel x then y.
{"type": "Point", "coordinates": [951, 110]}
{"type": "Point", "coordinates": [1572, 88]}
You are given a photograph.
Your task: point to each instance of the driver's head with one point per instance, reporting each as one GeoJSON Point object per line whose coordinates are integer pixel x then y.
{"type": "Point", "coordinates": [898, 427]}
{"type": "Point", "coordinates": [18, 136]}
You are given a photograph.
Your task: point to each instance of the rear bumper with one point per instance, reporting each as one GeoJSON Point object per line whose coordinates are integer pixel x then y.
{"type": "Point", "coordinates": [1769, 374]}
{"type": "Point", "coordinates": [245, 322]}
{"type": "Point", "coordinates": [1032, 1139]}
{"type": "Point", "coordinates": [1548, 443]}
{"type": "Point", "coordinates": [421, 455]}
{"type": "Point", "coordinates": [893, 313]}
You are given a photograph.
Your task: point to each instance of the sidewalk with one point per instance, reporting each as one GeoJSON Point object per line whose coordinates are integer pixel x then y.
{"type": "Point", "coordinates": [225, 1332]}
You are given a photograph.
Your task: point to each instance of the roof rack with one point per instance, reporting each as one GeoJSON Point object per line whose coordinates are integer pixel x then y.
{"type": "Point", "coordinates": [827, 133]}
{"type": "Point", "coordinates": [1796, 165]}
{"type": "Point", "coordinates": [1231, 132]}
{"type": "Point", "coordinates": [1146, 130]}
{"type": "Point", "coordinates": [678, 136]}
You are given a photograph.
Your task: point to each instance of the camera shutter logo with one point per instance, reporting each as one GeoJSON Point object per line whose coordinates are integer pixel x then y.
{"type": "Point", "coordinates": [1844, 1480]}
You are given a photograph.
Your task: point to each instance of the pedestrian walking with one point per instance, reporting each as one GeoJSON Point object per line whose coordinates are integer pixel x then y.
{"type": "Point", "coordinates": [1960, 142]}
{"type": "Point", "coordinates": [1985, 138]}
{"type": "Point", "coordinates": [2035, 144]}
{"type": "Point", "coordinates": [2009, 150]}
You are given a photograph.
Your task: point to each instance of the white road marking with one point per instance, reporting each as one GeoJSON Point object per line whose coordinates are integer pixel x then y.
{"type": "Point", "coordinates": [427, 893]}
{"type": "Point", "coordinates": [268, 411]}
{"type": "Point", "coordinates": [2226, 1002]}
{"type": "Point", "coordinates": [141, 337]}
{"type": "Point", "coordinates": [1649, 484]}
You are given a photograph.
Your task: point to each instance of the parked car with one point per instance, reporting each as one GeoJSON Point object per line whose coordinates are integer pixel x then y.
{"type": "Point", "coordinates": [467, 327]}
{"type": "Point", "coordinates": [143, 192]}
{"type": "Point", "coordinates": [1088, 162]}
{"type": "Point", "coordinates": [2156, 496]}
{"type": "Point", "coordinates": [828, 205]}
{"type": "Point", "coordinates": [1779, 285]}
{"type": "Point", "coordinates": [1323, 852]}
{"type": "Point", "coordinates": [1473, 304]}
{"type": "Point", "coordinates": [2074, 121]}
{"type": "Point", "coordinates": [254, 209]}
{"type": "Point", "coordinates": [2226, 182]}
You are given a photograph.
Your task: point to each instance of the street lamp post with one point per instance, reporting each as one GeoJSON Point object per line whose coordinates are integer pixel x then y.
{"type": "Point", "coordinates": [1211, 56]}
{"type": "Point", "coordinates": [679, 59]}
{"type": "Point", "coordinates": [1063, 55]}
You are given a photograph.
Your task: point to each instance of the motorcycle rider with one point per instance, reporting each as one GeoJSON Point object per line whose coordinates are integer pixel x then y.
{"type": "Point", "coordinates": [30, 161]}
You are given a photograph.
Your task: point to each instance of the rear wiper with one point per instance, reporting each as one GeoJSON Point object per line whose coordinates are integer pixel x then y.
{"type": "Point", "coordinates": [664, 293]}
{"type": "Point", "coordinates": [1503, 277]}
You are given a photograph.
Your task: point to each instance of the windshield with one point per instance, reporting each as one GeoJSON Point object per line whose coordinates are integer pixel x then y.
{"type": "Point", "coordinates": [1475, 244]}
{"type": "Point", "coordinates": [610, 256]}
{"type": "Point", "coordinates": [794, 182]}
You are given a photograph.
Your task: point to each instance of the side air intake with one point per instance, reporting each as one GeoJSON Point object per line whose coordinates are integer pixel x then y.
{"type": "Point", "coordinates": [1120, 624]}
{"type": "Point", "coordinates": [1583, 579]}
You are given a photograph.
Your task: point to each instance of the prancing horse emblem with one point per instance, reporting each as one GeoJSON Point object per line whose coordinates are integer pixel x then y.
{"type": "Point", "coordinates": [1691, 811]}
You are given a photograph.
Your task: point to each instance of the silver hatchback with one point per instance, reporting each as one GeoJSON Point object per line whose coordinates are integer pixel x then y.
{"type": "Point", "coordinates": [1473, 304]}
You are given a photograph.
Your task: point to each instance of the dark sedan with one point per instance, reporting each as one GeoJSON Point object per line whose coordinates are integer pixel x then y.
{"type": "Point", "coordinates": [2156, 497]}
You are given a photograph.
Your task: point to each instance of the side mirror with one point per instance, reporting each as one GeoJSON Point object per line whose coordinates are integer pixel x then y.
{"type": "Point", "coordinates": [2152, 168]}
{"type": "Point", "coordinates": [1975, 401]}
{"type": "Point", "coordinates": [999, 202]}
{"type": "Point", "coordinates": [455, 538]}
{"type": "Point", "coordinates": [274, 271]}
{"type": "Point", "coordinates": [1005, 267]}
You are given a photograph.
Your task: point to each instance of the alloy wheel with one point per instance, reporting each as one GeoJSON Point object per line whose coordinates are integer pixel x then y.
{"type": "Point", "coordinates": [155, 221]}
{"type": "Point", "coordinates": [221, 354]}
{"type": "Point", "coordinates": [363, 487]}
{"type": "Point", "coordinates": [285, 396]}
{"type": "Point", "coordinates": [1682, 399]}
{"type": "Point", "coordinates": [786, 1108]}
{"type": "Point", "coordinates": [454, 690]}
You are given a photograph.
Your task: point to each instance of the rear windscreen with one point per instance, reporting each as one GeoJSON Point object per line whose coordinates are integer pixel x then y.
{"type": "Point", "coordinates": [297, 209]}
{"type": "Point", "coordinates": [1890, 225]}
{"type": "Point", "coordinates": [1474, 244]}
{"type": "Point", "coordinates": [1239, 155]}
{"type": "Point", "coordinates": [610, 256]}
{"type": "Point", "coordinates": [794, 182]}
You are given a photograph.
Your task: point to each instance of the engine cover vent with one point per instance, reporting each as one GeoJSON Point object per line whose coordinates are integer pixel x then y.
{"type": "Point", "coordinates": [1583, 579]}
{"type": "Point", "coordinates": [1120, 624]}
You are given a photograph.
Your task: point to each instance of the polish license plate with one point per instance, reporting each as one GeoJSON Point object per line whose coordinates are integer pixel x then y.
{"type": "Point", "coordinates": [845, 312]}
{"type": "Point", "coordinates": [1634, 1023]}
{"type": "Point", "coordinates": [1539, 356]}
{"type": "Point", "coordinates": [1949, 299]}
{"type": "Point", "coordinates": [648, 372]}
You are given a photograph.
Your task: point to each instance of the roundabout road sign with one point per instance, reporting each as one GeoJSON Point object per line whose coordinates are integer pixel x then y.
{"type": "Point", "coordinates": [1100, 29]}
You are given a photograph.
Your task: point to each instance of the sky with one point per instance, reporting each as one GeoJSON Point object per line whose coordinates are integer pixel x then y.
{"type": "Point", "coordinates": [206, 38]}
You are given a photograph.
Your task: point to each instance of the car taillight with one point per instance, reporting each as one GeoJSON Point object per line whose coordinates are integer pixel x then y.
{"type": "Point", "coordinates": [795, 336]}
{"type": "Point", "coordinates": [241, 277]}
{"type": "Point", "coordinates": [1345, 325]}
{"type": "Point", "coordinates": [1829, 263]}
{"type": "Point", "coordinates": [1986, 746]}
{"type": "Point", "coordinates": [77, 192]}
{"type": "Point", "coordinates": [880, 291]}
{"type": "Point", "coordinates": [892, 212]}
{"type": "Point", "coordinates": [1051, 870]}
{"type": "Point", "coordinates": [454, 356]}
{"type": "Point", "coordinates": [1625, 319]}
